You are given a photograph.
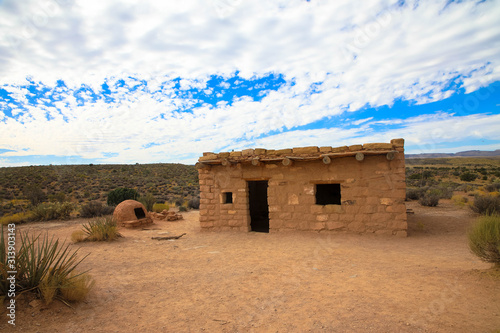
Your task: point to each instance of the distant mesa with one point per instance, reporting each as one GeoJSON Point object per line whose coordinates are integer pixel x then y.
{"type": "Point", "coordinates": [468, 153]}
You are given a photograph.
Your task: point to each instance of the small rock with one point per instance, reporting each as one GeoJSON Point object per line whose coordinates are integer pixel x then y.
{"type": "Point", "coordinates": [36, 303]}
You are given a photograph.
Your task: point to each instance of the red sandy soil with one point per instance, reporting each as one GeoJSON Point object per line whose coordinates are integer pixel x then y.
{"type": "Point", "coordinates": [278, 282]}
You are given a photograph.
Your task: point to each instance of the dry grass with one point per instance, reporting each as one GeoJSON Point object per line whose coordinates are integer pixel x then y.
{"type": "Point", "coordinates": [76, 287]}
{"type": "Point", "coordinates": [98, 230]}
{"type": "Point", "coordinates": [484, 239]}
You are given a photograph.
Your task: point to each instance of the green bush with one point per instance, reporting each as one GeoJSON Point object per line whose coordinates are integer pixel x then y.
{"type": "Point", "coordinates": [52, 211]}
{"type": "Point", "coordinates": [101, 229]}
{"type": "Point", "coordinates": [148, 201]}
{"type": "Point", "coordinates": [486, 204]}
{"type": "Point", "coordinates": [121, 194]}
{"type": "Point", "coordinates": [34, 194]}
{"type": "Point", "coordinates": [484, 239]}
{"type": "Point", "coordinates": [95, 209]}
{"type": "Point", "coordinates": [414, 193]}
{"type": "Point", "coordinates": [183, 209]}
{"type": "Point", "coordinates": [468, 176]}
{"type": "Point", "coordinates": [194, 203]}
{"type": "Point", "coordinates": [43, 265]}
{"type": "Point", "coordinates": [429, 200]}
{"type": "Point", "coordinates": [159, 207]}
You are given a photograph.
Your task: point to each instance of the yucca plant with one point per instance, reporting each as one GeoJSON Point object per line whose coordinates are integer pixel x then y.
{"type": "Point", "coordinates": [101, 229]}
{"type": "Point", "coordinates": [4, 283]}
{"type": "Point", "coordinates": [43, 265]}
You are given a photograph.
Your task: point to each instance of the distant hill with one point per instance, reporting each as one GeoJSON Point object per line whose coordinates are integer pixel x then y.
{"type": "Point", "coordinates": [468, 153]}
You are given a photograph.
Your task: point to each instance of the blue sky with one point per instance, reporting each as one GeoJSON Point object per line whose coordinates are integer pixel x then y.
{"type": "Point", "coordinates": [149, 82]}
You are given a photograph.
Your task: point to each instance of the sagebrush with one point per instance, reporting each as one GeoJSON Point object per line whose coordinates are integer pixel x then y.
{"type": "Point", "coordinates": [95, 209]}
{"type": "Point", "coordinates": [430, 200]}
{"type": "Point", "coordinates": [52, 211]}
{"type": "Point", "coordinates": [486, 204]}
{"type": "Point", "coordinates": [484, 239]}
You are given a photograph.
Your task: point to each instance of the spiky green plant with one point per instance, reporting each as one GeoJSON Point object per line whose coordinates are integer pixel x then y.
{"type": "Point", "coordinates": [42, 264]}
{"type": "Point", "coordinates": [4, 283]}
{"type": "Point", "coordinates": [148, 201]}
{"type": "Point", "coordinates": [101, 229]}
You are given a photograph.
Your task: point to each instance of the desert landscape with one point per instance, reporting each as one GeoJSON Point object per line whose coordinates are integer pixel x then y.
{"type": "Point", "coordinates": [249, 166]}
{"type": "Point", "coordinates": [277, 282]}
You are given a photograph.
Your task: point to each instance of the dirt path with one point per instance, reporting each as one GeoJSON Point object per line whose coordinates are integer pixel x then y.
{"type": "Point", "coordinates": [280, 282]}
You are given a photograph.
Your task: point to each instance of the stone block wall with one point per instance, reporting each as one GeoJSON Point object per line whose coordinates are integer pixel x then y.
{"type": "Point", "coordinates": [371, 178]}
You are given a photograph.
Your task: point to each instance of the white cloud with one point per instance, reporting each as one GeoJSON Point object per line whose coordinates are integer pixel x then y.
{"type": "Point", "coordinates": [361, 121]}
{"type": "Point", "coordinates": [361, 55]}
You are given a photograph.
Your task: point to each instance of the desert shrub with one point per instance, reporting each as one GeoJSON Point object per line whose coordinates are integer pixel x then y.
{"type": "Point", "coordinates": [121, 194]}
{"type": "Point", "coordinates": [415, 176]}
{"type": "Point", "coordinates": [178, 202]}
{"type": "Point", "coordinates": [16, 218]}
{"type": "Point", "coordinates": [159, 207]}
{"type": "Point", "coordinates": [414, 193]}
{"type": "Point", "coordinates": [183, 209]}
{"type": "Point", "coordinates": [94, 209]}
{"type": "Point", "coordinates": [78, 236]}
{"type": "Point", "coordinates": [484, 239]}
{"type": "Point", "coordinates": [486, 205]}
{"type": "Point", "coordinates": [34, 194]}
{"type": "Point", "coordinates": [59, 197]}
{"type": "Point", "coordinates": [465, 188]}
{"type": "Point", "coordinates": [459, 200]}
{"type": "Point", "coordinates": [101, 229]}
{"type": "Point", "coordinates": [441, 192]}
{"type": "Point", "coordinates": [43, 265]}
{"type": "Point", "coordinates": [495, 187]}
{"type": "Point", "coordinates": [429, 200]}
{"type": "Point", "coordinates": [194, 203]}
{"type": "Point", "coordinates": [148, 201]}
{"type": "Point", "coordinates": [52, 211]}
{"type": "Point", "coordinates": [468, 176]}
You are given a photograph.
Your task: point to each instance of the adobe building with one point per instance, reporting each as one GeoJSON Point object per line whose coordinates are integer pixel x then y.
{"type": "Point", "coordinates": [357, 189]}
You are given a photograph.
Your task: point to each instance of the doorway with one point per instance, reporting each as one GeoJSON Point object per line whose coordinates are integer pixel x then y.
{"type": "Point", "coordinates": [259, 208]}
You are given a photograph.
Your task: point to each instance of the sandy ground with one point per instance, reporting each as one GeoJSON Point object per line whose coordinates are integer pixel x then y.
{"type": "Point", "coordinates": [279, 282]}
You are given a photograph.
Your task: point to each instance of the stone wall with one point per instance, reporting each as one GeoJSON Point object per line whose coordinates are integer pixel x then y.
{"type": "Point", "coordinates": [371, 178]}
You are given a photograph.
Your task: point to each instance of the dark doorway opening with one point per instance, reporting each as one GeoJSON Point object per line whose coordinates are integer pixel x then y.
{"type": "Point", "coordinates": [259, 209]}
{"type": "Point", "coordinates": [139, 213]}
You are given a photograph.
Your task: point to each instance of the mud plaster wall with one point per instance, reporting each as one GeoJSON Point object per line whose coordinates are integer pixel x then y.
{"type": "Point", "coordinates": [373, 193]}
